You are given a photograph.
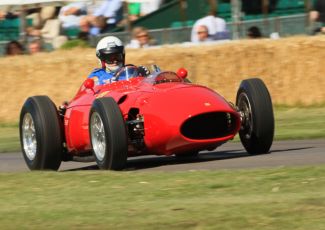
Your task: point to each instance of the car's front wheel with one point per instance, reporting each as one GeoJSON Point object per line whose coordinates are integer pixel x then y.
{"type": "Point", "coordinates": [255, 105]}
{"type": "Point", "coordinates": [108, 134]}
{"type": "Point", "coordinates": [41, 134]}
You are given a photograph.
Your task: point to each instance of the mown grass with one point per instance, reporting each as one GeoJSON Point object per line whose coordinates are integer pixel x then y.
{"type": "Point", "coordinates": [9, 137]}
{"type": "Point", "coordinates": [282, 198]}
{"type": "Point", "coordinates": [290, 123]}
{"type": "Point", "coordinates": [299, 123]}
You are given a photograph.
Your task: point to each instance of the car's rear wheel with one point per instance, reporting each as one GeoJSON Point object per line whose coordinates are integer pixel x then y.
{"type": "Point", "coordinates": [41, 134]}
{"type": "Point", "coordinates": [108, 134]}
{"type": "Point", "coordinates": [255, 105]}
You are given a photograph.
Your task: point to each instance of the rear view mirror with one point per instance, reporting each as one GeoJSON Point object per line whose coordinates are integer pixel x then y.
{"type": "Point", "coordinates": [89, 83]}
{"type": "Point", "coordinates": [182, 72]}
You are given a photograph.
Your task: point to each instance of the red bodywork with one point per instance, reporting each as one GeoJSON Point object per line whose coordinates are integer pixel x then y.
{"type": "Point", "coordinates": [176, 116]}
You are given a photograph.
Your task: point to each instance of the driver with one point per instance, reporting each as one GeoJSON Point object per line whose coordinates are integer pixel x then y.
{"type": "Point", "coordinates": [111, 55]}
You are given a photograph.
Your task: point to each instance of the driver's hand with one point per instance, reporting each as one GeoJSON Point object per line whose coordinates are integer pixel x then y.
{"type": "Point", "coordinates": [143, 71]}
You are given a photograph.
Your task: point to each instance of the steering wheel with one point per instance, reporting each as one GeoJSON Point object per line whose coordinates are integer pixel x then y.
{"type": "Point", "coordinates": [118, 72]}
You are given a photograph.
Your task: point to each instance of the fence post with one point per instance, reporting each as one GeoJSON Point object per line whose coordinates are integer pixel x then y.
{"type": "Point", "coordinates": [235, 14]}
{"type": "Point", "coordinates": [22, 18]}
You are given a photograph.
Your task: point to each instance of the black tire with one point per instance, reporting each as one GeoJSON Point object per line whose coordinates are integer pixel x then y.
{"type": "Point", "coordinates": [48, 134]}
{"type": "Point", "coordinates": [254, 102]}
{"type": "Point", "coordinates": [114, 155]}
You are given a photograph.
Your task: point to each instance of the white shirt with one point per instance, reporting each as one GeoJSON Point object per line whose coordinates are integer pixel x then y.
{"type": "Point", "coordinates": [71, 20]}
{"type": "Point", "coordinates": [214, 25]}
{"type": "Point", "coordinates": [149, 6]}
{"type": "Point", "coordinates": [108, 9]}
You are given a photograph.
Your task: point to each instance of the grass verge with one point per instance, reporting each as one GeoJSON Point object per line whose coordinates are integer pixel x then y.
{"type": "Point", "coordinates": [290, 123]}
{"type": "Point", "coordinates": [9, 137]}
{"type": "Point", "coordinates": [281, 198]}
{"type": "Point", "coordinates": [299, 123]}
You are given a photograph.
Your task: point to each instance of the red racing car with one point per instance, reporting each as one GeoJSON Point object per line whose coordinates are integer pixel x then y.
{"type": "Point", "coordinates": [162, 114]}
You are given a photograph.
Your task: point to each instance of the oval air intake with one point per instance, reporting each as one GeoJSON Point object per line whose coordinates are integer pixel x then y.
{"type": "Point", "coordinates": [209, 126]}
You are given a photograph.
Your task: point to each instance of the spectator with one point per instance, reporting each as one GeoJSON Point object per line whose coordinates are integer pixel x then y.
{"type": "Point", "coordinates": [50, 33]}
{"type": "Point", "coordinates": [254, 32]}
{"type": "Point", "coordinates": [104, 18]}
{"type": "Point", "coordinates": [216, 27]}
{"type": "Point", "coordinates": [40, 15]}
{"type": "Point", "coordinates": [49, 12]}
{"type": "Point", "coordinates": [32, 33]}
{"type": "Point", "coordinates": [203, 33]}
{"type": "Point", "coordinates": [140, 38]}
{"type": "Point", "coordinates": [2, 15]}
{"type": "Point", "coordinates": [98, 25]}
{"type": "Point", "coordinates": [71, 14]}
{"type": "Point", "coordinates": [35, 46]}
{"type": "Point", "coordinates": [6, 14]}
{"type": "Point", "coordinates": [14, 48]}
{"type": "Point", "coordinates": [318, 15]}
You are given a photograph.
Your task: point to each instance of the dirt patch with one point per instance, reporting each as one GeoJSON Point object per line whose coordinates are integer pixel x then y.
{"type": "Point", "coordinates": [292, 68]}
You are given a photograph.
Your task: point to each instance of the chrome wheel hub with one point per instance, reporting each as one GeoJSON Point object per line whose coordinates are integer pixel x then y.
{"type": "Point", "coordinates": [98, 138]}
{"type": "Point", "coordinates": [29, 136]}
{"type": "Point", "coordinates": [246, 115]}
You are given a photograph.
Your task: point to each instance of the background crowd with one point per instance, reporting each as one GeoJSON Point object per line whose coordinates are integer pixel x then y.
{"type": "Point", "coordinates": [51, 25]}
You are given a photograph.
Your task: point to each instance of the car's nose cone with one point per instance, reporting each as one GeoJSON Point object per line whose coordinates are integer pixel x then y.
{"type": "Point", "coordinates": [187, 117]}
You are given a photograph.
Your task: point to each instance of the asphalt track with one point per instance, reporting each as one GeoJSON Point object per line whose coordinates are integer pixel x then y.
{"type": "Point", "coordinates": [228, 156]}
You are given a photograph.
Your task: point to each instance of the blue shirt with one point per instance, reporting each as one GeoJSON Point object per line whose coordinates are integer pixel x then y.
{"type": "Point", "coordinates": [100, 76]}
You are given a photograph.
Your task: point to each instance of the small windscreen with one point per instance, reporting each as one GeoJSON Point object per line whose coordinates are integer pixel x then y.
{"type": "Point", "coordinates": [126, 73]}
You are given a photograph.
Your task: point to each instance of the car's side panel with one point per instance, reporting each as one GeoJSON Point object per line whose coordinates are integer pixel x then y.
{"type": "Point", "coordinates": [76, 121]}
{"type": "Point", "coordinates": [76, 128]}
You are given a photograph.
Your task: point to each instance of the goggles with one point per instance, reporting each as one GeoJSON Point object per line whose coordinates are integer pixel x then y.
{"type": "Point", "coordinates": [113, 58]}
